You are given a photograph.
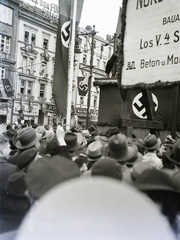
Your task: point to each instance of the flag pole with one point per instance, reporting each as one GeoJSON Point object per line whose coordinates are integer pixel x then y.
{"type": "Point", "coordinates": [71, 69]}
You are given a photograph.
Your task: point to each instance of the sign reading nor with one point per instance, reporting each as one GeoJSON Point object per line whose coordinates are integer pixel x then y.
{"type": "Point", "coordinates": [152, 42]}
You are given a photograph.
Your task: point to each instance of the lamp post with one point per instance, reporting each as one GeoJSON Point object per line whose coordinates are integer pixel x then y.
{"type": "Point", "coordinates": [89, 31]}
{"type": "Point", "coordinates": [93, 33]}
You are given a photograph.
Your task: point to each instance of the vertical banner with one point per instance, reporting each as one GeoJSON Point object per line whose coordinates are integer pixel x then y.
{"type": "Point", "coordinates": [60, 86]}
{"type": "Point", "coordinates": [43, 105]}
{"type": "Point", "coordinates": [7, 87]}
{"type": "Point", "coordinates": [31, 99]}
{"type": "Point", "coordinates": [82, 85]}
{"type": "Point", "coordinates": [22, 101]}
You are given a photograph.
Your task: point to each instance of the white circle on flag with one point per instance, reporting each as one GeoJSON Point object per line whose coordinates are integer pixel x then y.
{"type": "Point", "coordinates": [65, 34]}
{"type": "Point", "coordinates": [139, 108]}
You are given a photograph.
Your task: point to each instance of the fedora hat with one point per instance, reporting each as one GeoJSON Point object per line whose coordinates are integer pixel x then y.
{"type": "Point", "coordinates": [94, 151]}
{"type": "Point", "coordinates": [102, 139]}
{"type": "Point", "coordinates": [151, 142]}
{"type": "Point", "coordinates": [47, 172]}
{"type": "Point", "coordinates": [26, 157]}
{"type": "Point", "coordinates": [107, 167]}
{"type": "Point", "coordinates": [154, 179]}
{"type": "Point", "coordinates": [119, 148]}
{"type": "Point", "coordinates": [26, 138]}
{"type": "Point", "coordinates": [173, 153]}
{"type": "Point", "coordinates": [138, 169]}
{"type": "Point", "coordinates": [15, 184]}
{"type": "Point", "coordinates": [10, 133]}
{"type": "Point", "coordinates": [41, 132]}
{"type": "Point", "coordinates": [71, 141]}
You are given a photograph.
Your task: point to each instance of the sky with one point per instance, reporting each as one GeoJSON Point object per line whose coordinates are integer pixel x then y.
{"type": "Point", "coordinates": [101, 13]}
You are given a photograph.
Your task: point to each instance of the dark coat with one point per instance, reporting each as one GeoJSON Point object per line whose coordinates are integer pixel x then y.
{"type": "Point", "coordinates": [6, 169]}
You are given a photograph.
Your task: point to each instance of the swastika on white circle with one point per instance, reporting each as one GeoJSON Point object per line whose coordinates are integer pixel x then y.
{"type": "Point", "coordinates": [8, 88]}
{"type": "Point", "coordinates": [65, 33]}
{"type": "Point", "coordinates": [138, 105]}
{"type": "Point", "coordinates": [83, 86]}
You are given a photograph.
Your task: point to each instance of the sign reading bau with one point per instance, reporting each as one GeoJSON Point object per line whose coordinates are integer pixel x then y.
{"type": "Point", "coordinates": [152, 42]}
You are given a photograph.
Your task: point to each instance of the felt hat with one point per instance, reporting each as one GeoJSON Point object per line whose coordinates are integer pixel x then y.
{"type": "Point", "coordinates": [26, 157]}
{"type": "Point", "coordinates": [173, 153]}
{"type": "Point", "coordinates": [139, 143]}
{"type": "Point", "coordinates": [154, 179]}
{"type": "Point", "coordinates": [102, 139]}
{"type": "Point", "coordinates": [45, 173]}
{"type": "Point", "coordinates": [151, 142]}
{"type": "Point", "coordinates": [138, 169]}
{"type": "Point", "coordinates": [71, 141]}
{"type": "Point", "coordinates": [94, 151]}
{"type": "Point", "coordinates": [119, 148]}
{"type": "Point", "coordinates": [53, 147]}
{"type": "Point", "coordinates": [15, 184]}
{"type": "Point", "coordinates": [26, 138]}
{"type": "Point", "coordinates": [107, 167]}
{"type": "Point", "coordinates": [112, 131]}
{"type": "Point", "coordinates": [85, 133]}
{"type": "Point", "coordinates": [10, 133]}
{"type": "Point", "coordinates": [41, 132]}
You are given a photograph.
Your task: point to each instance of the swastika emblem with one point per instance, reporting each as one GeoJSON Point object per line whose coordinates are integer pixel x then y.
{"type": "Point", "coordinates": [83, 86]}
{"type": "Point", "coordinates": [8, 88]}
{"type": "Point", "coordinates": [65, 33]}
{"type": "Point", "coordinates": [138, 105]}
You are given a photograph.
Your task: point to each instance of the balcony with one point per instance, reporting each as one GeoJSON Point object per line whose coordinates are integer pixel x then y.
{"type": "Point", "coordinates": [29, 48]}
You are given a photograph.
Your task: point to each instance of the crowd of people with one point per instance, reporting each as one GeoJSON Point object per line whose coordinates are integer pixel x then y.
{"type": "Point", "coordinates": [36, 159]}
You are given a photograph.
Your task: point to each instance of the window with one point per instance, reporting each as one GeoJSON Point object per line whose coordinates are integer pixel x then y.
{"type": "Point", "coordinates": [24, 64]}
{"type": "Point", "coordinates": [84, 59]}
{"type": "Point", "coordinates": [31, 66]}
{"type": "Point", "coordinates": [33, 39]}
{"type": "Point", "coordinates": [22, 88]}
{"type": "Point", "coordinates": [6, 14]}
{"type": "Point", "coordinates": [5, 43]}
{"type": "Point", "coordinates": [42, 90]}
{"type": "Point", "coordinates": [2, 69]}
{"type": "Point", "coordinates": [98, 63]}
{"type": "Point", "coordinates": [43, 68]}
{"type": "Point", "coordinates": [102, 49]}
{"type": "Point", "coordinates": [95, 102]}
{"type": "Point", "coordinates": [29, 88]}
{"type": "Point", "coordinates": [45, 43]}
{"type": "Point", "coordinates": [30, 38]}
{"type": "Point", "coordinates": [26, 36]}
{"type": "Point", "coordinates": [26, 87]}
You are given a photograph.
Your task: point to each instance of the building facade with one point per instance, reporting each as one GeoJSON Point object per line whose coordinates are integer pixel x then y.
{"type": "Point", "coordinates": [28, 43]}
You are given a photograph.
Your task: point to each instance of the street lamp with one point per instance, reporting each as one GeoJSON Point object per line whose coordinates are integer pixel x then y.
{"type": "Point", "coordinates": [89, 31]}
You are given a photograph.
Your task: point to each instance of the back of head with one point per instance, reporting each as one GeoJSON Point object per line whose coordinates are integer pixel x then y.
{"type": "Point", "coordinates": [151, 142]}
{"type": "Point", "coordinates": [47, 172]}
{"type": "Point", "coordinates": [107, 167]}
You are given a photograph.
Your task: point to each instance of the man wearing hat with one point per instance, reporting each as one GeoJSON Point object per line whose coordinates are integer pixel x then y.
{"type": "Point", "coordinates": [173, 155]}
{"type": "Point", "coordinates": [152, 145]}
{"type": "Point", "coordinates": [122, 152]}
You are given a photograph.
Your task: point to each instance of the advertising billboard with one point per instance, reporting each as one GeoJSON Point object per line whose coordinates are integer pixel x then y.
{"type": "Point", "coordinates": [151, 42]}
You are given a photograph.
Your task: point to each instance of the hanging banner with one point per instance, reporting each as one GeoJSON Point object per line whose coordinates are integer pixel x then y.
{"type": "Point", "coordinates": [62, 53]}
{"type": "Point", "coordinates": [151, 42]}
{"type": "Point", "coordinates": [7, 87]}
{"type": "Point", "coordinates": [31, 99]}
{"type": "Point", "coordinates": [43, 105]}
{"type": "Point", "coordinates": [82, 85]}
